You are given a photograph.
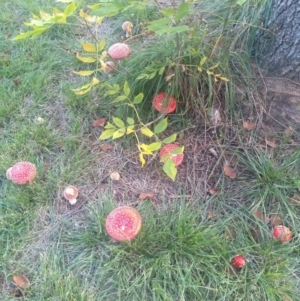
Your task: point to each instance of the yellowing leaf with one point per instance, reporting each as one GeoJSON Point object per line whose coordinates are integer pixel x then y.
{"type": "Point", "coordinates": [87, 17]}
{"type": "Point", "coordinates": [21, 281]}
{"type": "Point", "coordinates": [213, 67]}
{"type": "Point", "coordinates": [118, 122]}
{"type": "Point", "coordinates": [101, 45]}
{"type": "Point", "coordinates": [95, 81]}
{"type": "Point", "coordinates": [161, 126]}
{"type": "Point", "coordinates": [107, 134]}
{"type": "Point", "coordinates": [130, 129]}
{"type": "Point", "coordinates": [82, 90]}
{"type": "Point", "coordinates": [85, 59]}
{"type": "Point", "coordinates": [70, 9]}
{"type": "Point", "coordinates": [88, 47]}
{"type": "Point", "coordinates": [118, 133]}
{"type": "Point", "coordinates": [142, 159]}
{"type": "Point", "coordinates": [147, 132]}
{"type": "Point", "coordinates": [229, 172]}
{"type": "Point", "coordinates": [203, 60]}
{"type": "Point", "coordinates": [249, 126]}
{"type": "Point", "coordinates": [84, 73]}
{"type": "Point", "coordinates": [151, 147]}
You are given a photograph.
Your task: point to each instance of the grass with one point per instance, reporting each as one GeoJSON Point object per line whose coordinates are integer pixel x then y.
{"type": "Point", "coordinates": [186, 245]}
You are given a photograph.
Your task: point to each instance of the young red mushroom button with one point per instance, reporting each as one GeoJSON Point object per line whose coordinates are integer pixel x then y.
{"type": "Point", "coordinates": [119, 51]}
{"type": "Point", "coordinates": [127, 26]}
{"type": "Point", "coordinates": [21, 173]}
{"type": "Point", "coordinates": [238, 261]}
{"type": "Point", "coordinates": [70, 193]}
{"type": "Point", "coordinates": [282, 233]}
{"type": "Point", "coordinates": [110, 67]}
{"type": "Point", "coordinates": [164, 103]}
{"type": "Point", "coordinates": [123, 223]}
{"type": "Point", "coordinates": [167, 150]}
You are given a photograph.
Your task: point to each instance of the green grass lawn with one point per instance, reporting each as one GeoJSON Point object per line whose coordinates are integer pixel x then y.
{"type": "Point", "coordinates": [188, 238]}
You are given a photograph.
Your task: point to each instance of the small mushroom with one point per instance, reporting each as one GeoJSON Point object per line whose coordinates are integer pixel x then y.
{"type": "Point", "coordinates": [70, 193]}
{"type": "Point", "coordinates": [238, 261]}
{"type": "Point", "coordinates": [167, 150]}
{"type": "Point", "coordinates": [164, 103]}
{"type": "Point", "coordinates": [21, 173]}
{"type": "Point", "coordinates": [123, 223]}
{"type": "Point", "coordinates": [119, 51]}
{"type": "Point", "coordinates": [110, 67]}
{"type": "Point", "coordinates": [127, 26]}
{"type": "Point", "coordinates": [282, 233]}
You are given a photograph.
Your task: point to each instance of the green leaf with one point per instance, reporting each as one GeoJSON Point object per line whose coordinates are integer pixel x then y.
{"type": "Point", "coordinates": [119, 98]}
{"type": "Point", "coordinates": [108, 9]}
{"type": "Point", "coordinates": [240, 2]}
{"type": "Point", "coordinates": [101, 45]}
{"type": "Point", "coordinates": [84, 73]}
{"type": "Point", "coordinates": [183, 10]}
{"type": "Point", "coordinates": [118, 133]}
{"type": "Point", "coordinates": [85, 59]}
{"type": "Point", "coordinates": [138, 98]}
{"type": "Point", "coordinates": [109, 126]}
{"type": "Point", "coordinates": [213, 67]}
{"type": "Point", "coordinates": [161, 70]}
{"type": "Point", "coordinates": [168, 12]}
{"type": "Point", "coordinates": [147, 132]}
{"type": "Point", "coordinates": [88, 47]}
{"type": "Point", "coordinates": [177, 150]}
{"type": "Point", "coordinates": [110, 92]}
{"type": "Point", "coordinates": [170, 169]}
{"type": "Point", "coordinates": [70, 9]}
{"type": "Point", "coordinates": [107, 134]}
{"type": "Point", "coordinates": [170, 139]}
{"type": "Point", "coordinates": [151, 147]}
{"type": "Point", "coordinates": [126, 88]}
{"type": "Point", "coordinates": [130, 120]}
{"type": "Point", "coordinates": [118, 122]}
{"type": "Point", "coordinates": [161, 126]}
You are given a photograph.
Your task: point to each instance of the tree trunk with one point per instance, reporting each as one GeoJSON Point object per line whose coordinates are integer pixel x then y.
{"type": "Point", "coordinates": [278, 51]}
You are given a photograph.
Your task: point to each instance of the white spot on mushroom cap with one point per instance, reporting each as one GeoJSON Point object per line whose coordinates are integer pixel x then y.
{"type": "Point", "coordinates": [70, 193]}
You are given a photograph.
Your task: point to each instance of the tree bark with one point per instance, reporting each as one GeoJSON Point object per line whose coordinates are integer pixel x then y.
{"type": "Point", "coordinates": [278, 48]}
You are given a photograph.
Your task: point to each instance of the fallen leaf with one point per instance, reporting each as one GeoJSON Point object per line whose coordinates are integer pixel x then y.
{"type": "Point", "coordinates": [17, 81]}
{"type": "Point", "coordinates": [47, 165]}
{"type": "Point", "coordinates": [231, 270]}
{"type": "Point", "coordinates": [213, 152]}
{"type": "Point", "coordinates": [115, 176]}
{"type": "Point", "coordinates": [146, 195]}
{"type": "Point", "coordinates": [17, 293]}
{"type": "Point", "coordinates": [21, 281]}
{"type": "Point", "coordinates": [229, 171]}
{"type": "Point", "coordinates": [255, 232]}
{"type": "Point", "coordinates": [100, 122]}
{"type": "Point", "coordinates": [271, 143]}
{"type": "Point", "coordinates": [288, 131]}
{"type": "Point", "coordinates": [210, 214]}
{"type": "Point", "coordinates": [249, 126]}
{"type": "Point", "coordinates": [169, 76]}
{"type": "Point", "coordinates": [105, 147]}
{"type": "Point", "coordinates": [275, 220]}
{"type": "Point", "coordinates": [214, 191]}
{"type": "Point", "coordinates": [261, 216]}
{"type": "Point", "coordinates": [230, 233]}
{"type": "Point", "coordinates": [295, 200]}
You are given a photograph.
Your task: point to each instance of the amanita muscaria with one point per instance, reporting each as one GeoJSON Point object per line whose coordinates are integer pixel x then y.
{"type": "Point", "coordinates": [119, 51]}
{"type": "Point", "coordinates": [21, 172]}
{"type": "Point", "coordinates": [123, 223]}
{"type": "Point", "coordinates": [282, 233]}
{"type": "Point", "coordinates": [166, 153]}
{"type": "Point", "coordinates": [164, 103]}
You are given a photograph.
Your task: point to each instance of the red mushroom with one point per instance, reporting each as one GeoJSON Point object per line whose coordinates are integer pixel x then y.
{"type": "Point", "coordinates": [127, 26]}
{"type": "Point", "coordinates": [119, 51]}
{"type": "Point", "coordinates": [70, 193]}
{"type": "Point", "coordinates": [123, 223]}
{"type": "Point", "coordinates": [164, 103]}
{"type": "Point", "coordinates": [282, 233]}
{"type": "Point", "coordinates": [167, 150]}
{"type": "Point", "coordinates": [21, 173]}
{"type": "Point", "coordinates": [238, 261]}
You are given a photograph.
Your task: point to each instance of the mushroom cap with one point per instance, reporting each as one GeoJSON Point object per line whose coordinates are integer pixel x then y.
{"type": "Point", "coordinates": [127, 25]}
{"type": "Point", "coordinates": [123, 223]}
{"type": "Point", "coordinates": [282, 233]}
{"type": "Point", "coordinates": [119, 51]}
{"type": "Point", "coordinates": [109, 67]}
{"type": "Point", "coordinates": [238, 261]}
{"type": "Point", "coordinates": [164, 103]}
{"type": "Point", "coordinates": [70, 193]}
{"type": "Point", "coordinates": [21, 173]}
{"type": "Point", "coordinates": [177, 159]}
